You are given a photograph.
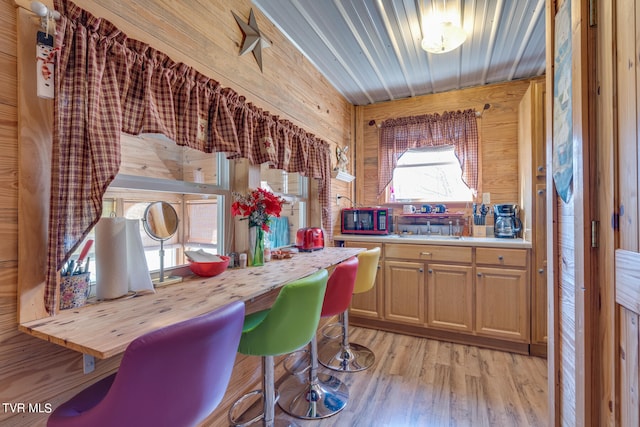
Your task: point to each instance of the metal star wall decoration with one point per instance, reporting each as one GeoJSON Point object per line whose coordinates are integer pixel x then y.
{"type": "Point", "coordinates": [253, 39]}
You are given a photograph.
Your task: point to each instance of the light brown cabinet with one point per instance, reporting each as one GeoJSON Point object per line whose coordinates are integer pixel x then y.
{"type": "Point", "coordinates": [476, 295]}
{"type": "Point", "coordinates": [404, 292]}
{"type": "Point", "coordinates": [532, 173]}
{"type": "Point", "coordinates": [450, 297]}
{"type": "Point", "coordinates": [502, 293]}
{"type": "Point", "coordinates": [432, 288]}
{"type": "Point", "coordinates": [369, 304]}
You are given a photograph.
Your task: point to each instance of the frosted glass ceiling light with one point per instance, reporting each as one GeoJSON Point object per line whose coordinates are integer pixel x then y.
{"type": "Point", "coordinates": [443, 37]}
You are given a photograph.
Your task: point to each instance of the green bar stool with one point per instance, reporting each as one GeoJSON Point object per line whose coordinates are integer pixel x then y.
{"type": "Point", "coordinates": [289, 324]}
{"type": "Point", "coordinates": [341, 355]}
{"type": "Point", "coordinates": [321, 395]}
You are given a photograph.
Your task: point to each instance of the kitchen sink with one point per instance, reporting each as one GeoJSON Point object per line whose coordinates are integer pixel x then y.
{"type": "Point", "coordinates": [426, 236]}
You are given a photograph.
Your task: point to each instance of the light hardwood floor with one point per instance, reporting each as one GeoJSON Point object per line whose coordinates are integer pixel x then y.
{"type": "Point", "coordinates": [422, 382]}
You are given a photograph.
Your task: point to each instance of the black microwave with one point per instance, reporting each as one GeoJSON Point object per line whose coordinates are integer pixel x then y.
{"type": "Point", "coordinates": [366, 221]}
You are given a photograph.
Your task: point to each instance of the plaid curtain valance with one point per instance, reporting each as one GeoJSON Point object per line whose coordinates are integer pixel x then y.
{"type": "Point", "coordinates": [107, 84]}
{"type": "Point", "coordinates": [458, 128]}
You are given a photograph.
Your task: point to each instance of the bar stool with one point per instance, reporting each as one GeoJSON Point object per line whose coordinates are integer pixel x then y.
{"type": "Point", "coordinates": [288, 325]}
{"type": "Point", "coordinates": [321, 395]}
{"type": "Point", "coordinates": [341, 355]}
{"type": "Point", "coordinates": [173, 376]}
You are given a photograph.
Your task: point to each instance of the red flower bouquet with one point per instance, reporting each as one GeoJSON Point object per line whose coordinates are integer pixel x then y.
{"type": "Point", "coordinates": [257, 206]}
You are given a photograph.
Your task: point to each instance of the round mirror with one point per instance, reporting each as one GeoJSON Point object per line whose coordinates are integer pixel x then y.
{"type": "Point", "coordinates": [160, 221]}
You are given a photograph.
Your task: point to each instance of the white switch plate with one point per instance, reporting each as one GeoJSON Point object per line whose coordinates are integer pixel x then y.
{"type": "Point", "coordinates": [486, 198]}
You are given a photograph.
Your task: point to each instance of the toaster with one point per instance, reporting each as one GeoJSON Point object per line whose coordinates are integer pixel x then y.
{"type": "Point", "coordinates": [310, 239]}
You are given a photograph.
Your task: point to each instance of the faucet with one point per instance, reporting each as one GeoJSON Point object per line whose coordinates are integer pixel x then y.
{"type": "Point", "coordinates": [428, 227]}
{"type": "Point", "coordinates": [450, 228]}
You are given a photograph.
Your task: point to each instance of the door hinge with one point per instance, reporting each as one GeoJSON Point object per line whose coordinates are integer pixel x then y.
{"type": "Point", "coordinates": [593, 4]}
{"type": "Point", "coordinates": [595, 234]}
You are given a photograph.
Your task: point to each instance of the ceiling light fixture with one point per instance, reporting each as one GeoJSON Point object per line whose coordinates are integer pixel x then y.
{"type": "Point", "coordinates": [443, 37]}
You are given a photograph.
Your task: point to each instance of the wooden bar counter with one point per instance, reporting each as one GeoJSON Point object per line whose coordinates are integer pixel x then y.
{"type": "Point", "coordinates": [105, 329]}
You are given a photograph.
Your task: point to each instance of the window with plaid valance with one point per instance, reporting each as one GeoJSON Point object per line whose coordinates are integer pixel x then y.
{"type": "Point", "coordinates": [107, 84]}
{"type": "Point", "coordinates": [458, 128]}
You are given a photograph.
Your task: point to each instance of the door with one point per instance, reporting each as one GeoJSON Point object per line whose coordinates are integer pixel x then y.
{"type": "Point", "coordinates": [404, 292]}
{"type": "Point", "coordinates": [450, 297]}
{"type": "Point", "coordinates": [505, 288]}
{"type": "Point", "coordinates": [572, 282]}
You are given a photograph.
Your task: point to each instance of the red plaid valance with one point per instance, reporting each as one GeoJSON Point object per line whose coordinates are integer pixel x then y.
{"type": "Point", "coordinates": [458, 128]}
{"type": "Point", "coordinates": [107, 84]}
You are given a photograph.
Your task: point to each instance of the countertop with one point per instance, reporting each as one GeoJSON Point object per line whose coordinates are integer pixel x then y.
{"type": "Point", "coordinates": [105, 329]}
{"type": "Point", "coordinates": [491, 242]}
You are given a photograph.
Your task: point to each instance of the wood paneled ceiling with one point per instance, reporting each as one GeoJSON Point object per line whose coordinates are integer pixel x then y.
{"type": "Point", "coordinates": [370, 49]}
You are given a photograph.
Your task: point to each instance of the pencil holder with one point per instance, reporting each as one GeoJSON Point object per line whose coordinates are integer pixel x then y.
{"type": "Point", "coordinates": [74, 290]}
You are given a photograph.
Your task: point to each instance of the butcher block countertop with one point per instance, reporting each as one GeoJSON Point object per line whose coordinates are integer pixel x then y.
{"type": "Point", "coordinates": [105, 329]}
{"type": "Point", "coordinates": [491, 242]}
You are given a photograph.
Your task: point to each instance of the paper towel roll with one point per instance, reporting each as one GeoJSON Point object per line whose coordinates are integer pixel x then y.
{"type": "Point", "coordinates": [111, 258]}
{"type": "Point", "coordinates": [138, 270]}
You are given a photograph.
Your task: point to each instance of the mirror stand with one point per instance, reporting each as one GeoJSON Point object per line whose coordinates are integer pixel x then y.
{"type": "Point", "coordinates": [161, 280]}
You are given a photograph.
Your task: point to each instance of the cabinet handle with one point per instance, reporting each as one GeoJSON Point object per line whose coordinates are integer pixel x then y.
{"type": "Point", "coordinates": [421, 270]}
{"type": "Point", "coordinates": [430, 271]}
{"type": "Point", "coordinates": [379, 266]}
{"type": "Point", "coordinates": [425, 253]}
{"type": "Point", "coordinates": [479, 274]}
{"type": "Point", "coordinates": [500, 257]}
{"type": "Point", "coordinates": [540, 192]}
{"type": "Point", "coordinates": [540, 168]}
{"type": "Point", "coordinates": [541, 270]}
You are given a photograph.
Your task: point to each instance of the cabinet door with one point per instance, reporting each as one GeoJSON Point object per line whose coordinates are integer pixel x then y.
{"type": "Point", "coordinates": [502, 303]}
{"type": "Point", "coordinates": [449, 297]}
{"type": "Point", "coordinates": [404, 292]}
{"type": "Point", "coordinates": [368, 304]}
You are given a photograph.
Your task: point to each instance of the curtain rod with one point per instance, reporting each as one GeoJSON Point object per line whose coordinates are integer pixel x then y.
{"type": "Point", "coordinates": [38, 8]}
{"type": "Point", "coordinates": [478, 114]}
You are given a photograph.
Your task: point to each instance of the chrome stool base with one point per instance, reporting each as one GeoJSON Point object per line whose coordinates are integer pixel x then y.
{"type": "Point", "coordinates": [326, 396]}
{"type": "Point", "coordinates": [351, 358]}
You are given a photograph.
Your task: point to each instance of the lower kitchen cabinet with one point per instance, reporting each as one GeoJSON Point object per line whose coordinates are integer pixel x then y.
{"type": "Point", "coordinates": [404, 292]}
{"type": "Point", "coordinates": [502, 309]}
{"type": "Point", "coordinates": [450, 297]}
{"type": "Point", "coordinates": [468, 294]}
{"type": "Point", "coordinates": [369, 304]}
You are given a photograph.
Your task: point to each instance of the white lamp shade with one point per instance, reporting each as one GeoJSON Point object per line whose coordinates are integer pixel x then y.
{"type": "Point", "coordinates": [443, 37]}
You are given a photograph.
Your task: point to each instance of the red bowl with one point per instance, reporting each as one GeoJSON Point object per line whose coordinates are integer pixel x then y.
{"type": "Point", "coordinates": [209, 269]}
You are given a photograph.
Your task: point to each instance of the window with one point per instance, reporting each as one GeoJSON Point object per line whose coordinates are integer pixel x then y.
{"type": "Point", "coordinates": [294, 189]}
{"type": "Point", "coordinates": [429, 174]}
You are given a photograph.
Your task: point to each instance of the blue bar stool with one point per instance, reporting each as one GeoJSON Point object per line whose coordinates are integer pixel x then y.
{"type": "Point", "coordinates": [288, 325]}
{"type": "Point", "coordinates": [174, 376]}
{"type": "Point", "coordinates": [341, 355]}
{"type": "Point", "coordinates": [321, 395]}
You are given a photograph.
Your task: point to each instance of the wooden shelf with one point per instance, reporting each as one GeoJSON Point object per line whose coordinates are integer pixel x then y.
{"type": "Point", "coordinates": [342, 176]}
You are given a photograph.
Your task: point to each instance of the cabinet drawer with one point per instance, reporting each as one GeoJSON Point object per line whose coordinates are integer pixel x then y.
{"type": "Point", "coordinates": [429, 252]}
{"type": "Point", "coordinates": [366, 245]}
{"type": "Point", "coordinates": [497, 256]}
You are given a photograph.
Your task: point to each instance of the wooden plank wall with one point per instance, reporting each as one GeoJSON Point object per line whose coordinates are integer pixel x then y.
{"type": "Point", "coordinates": [498, 129]}
{"type": "Point", "coordinates": [205, 36]}
{"type": "Point", "coordinates": [606, 152]}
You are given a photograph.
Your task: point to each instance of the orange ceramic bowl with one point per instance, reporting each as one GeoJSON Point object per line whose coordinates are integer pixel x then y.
{"type": "Point", "coordinates": [209, 269]}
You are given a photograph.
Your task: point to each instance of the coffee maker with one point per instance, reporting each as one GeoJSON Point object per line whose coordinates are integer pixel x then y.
{"type": "Point", "coordinates": [506, 224]}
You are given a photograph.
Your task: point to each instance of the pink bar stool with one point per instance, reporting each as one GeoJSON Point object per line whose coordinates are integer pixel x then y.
{"type": "Point", "coordinates": [341, 355]}
{"type": "Point", "coordinates": [321, 395]}
{"type": "Point", "coordinates": [174, 376]}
